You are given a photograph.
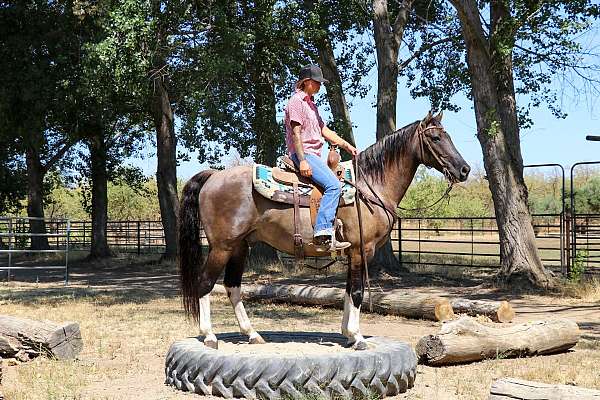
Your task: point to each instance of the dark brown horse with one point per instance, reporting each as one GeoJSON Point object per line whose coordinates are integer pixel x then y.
{"type": "Point", "coordinates": [234, 216]}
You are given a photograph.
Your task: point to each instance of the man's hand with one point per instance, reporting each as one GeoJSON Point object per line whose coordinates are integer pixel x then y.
{"type": "Point", "coordinates": [352, 150]}
{"type": "Point", "coordinates": [305, 169]}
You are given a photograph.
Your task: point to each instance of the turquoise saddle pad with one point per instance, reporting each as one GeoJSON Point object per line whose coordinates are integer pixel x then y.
{"type": "Point", "coordinates": [264, 184]}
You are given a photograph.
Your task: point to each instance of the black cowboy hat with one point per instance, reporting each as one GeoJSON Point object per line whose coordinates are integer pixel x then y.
{"type": "Point", "coordinates": [313, 72]}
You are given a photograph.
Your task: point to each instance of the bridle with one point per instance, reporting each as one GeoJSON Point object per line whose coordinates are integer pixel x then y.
{"type": "Point", "coordinates": [424, 140]}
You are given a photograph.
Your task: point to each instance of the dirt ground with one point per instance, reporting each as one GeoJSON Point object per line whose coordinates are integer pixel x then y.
{"type": "Point", "coordinates": [129, 311]}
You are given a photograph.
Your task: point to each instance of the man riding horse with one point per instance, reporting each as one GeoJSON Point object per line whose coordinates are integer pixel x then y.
{"type": "Point", "coordinates": [305, 131]}
{"type": "Point", "coordinates": [233, 214]}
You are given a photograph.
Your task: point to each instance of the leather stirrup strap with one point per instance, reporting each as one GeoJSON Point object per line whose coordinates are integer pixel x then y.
{"type": "Point", "coordinates": [298, 248]}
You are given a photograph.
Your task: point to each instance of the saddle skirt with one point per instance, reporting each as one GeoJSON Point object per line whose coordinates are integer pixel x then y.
{"type": "Point", "coordinates": [276, 184]}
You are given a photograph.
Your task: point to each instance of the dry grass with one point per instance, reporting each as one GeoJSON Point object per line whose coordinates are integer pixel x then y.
{"type": "Point", "coordinates": [128, 330]}
{"type": "Point", "coordinates": [125, 340]}
{"type": "Point", "coordinates": [588, 290]}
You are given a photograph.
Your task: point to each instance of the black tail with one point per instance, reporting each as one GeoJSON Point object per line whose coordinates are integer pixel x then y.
{"type": "Point", "coordinates": [191, 261]}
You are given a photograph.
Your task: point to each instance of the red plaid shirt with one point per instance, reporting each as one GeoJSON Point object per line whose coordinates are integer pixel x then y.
{"type": "Point", "coordinates": [301, 109]}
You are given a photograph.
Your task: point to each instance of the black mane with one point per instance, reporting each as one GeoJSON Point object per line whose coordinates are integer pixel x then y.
{"type": "Point", "coordinates": [385, 151]}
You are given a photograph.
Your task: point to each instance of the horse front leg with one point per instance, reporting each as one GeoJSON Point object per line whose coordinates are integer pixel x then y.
{"type": "Point", "coordinates": [353, 299]}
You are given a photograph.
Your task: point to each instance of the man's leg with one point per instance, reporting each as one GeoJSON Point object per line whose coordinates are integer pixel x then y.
{"type": "Point", "coordinates": [324, 231]}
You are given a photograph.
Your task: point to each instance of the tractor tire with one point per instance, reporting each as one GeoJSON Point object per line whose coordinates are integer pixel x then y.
{"type": "Point", "coordinates": [386, 368]}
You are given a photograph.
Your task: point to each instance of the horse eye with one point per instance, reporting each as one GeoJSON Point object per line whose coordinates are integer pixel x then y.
{"type": "Point", "coordinates": [436, 138]}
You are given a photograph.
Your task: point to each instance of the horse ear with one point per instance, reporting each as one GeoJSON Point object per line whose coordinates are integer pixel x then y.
{"type": "Point", "coordinates": [428, 117]}
{"type": "Point", "coordinates": [439, 116]}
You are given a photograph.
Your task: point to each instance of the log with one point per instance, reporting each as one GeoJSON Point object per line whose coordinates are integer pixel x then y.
{"type": "Point", "coordinates": [512, 388]}
{"type": "Point", "coordinates": [25, 339]}
{"type": "Point", "coordinates": [497, 311]}
{"type": "Point", "coordinates": [395, 302]}
{"type": "Point", "coordinates": [466, 340]}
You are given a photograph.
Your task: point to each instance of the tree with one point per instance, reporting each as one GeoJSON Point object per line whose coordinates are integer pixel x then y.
{"type": "Point", "coordinates": [37, 50]}
{"type": "Point", "coordinates": [322, 33]}
{"type": "Point", "coordinates": [511, 47]}
{"type": "Point", "coordinates": [12, 178]}
{"type": "Point", "coordinates": [109, 120]}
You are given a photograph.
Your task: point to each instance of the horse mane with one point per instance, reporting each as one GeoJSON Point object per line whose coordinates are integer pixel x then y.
{"type": "Point", "coordinates": [387, 150]}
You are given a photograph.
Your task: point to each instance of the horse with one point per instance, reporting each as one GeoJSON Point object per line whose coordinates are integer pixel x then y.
{"type": "Point", "coordinates": [234, 216]}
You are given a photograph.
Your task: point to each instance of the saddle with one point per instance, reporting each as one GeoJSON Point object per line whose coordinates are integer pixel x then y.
{"type": "Point", "coordinates": [284, 184]}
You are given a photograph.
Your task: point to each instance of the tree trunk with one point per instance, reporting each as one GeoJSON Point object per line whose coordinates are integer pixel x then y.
{"type": "Point", "coordinates": [35, 198]}
{"type": "Point", "coordinates": [466, 340]}
{"type": "Point", "coordinates": [98, 155]}
{"type": "Point", "coordinates": [497, 311]}
{"type": "Point", "coordinates": [394, 302]}
{"type": "Point", "coordinates": [387, 43]}
{"type": "Point", "coordinates": [335, 92]}
{"type": "Point", "coordinates": [166, 171]}
{"type": "Point", "coordinates": [24, 339]}
{"type": "Point", "coordinates": [384, 260]}
{"type": "Point", "coordinates": [511, 388]}
{"type": "Point", "coordinates": [498, 133]}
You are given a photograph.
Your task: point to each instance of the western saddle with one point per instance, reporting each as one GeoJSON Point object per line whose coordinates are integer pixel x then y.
{"type": "Point", "coordinates": [288, 174]}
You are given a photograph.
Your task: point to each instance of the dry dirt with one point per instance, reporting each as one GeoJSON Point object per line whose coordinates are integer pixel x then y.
{"type": "Point", "coordinates": [129, 311]}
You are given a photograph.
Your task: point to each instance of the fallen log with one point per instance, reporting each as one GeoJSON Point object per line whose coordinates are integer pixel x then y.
{"type": "Point", "coordinates": [497, 311]}
{"type": "Point", "coordinates": [394, 302]}
{"type": "Point", "coordinates": [511, 388]}
{"type": "Point", "coordinates": [25, 339]}
{"type": "Point", "coordinates": [465, 340]}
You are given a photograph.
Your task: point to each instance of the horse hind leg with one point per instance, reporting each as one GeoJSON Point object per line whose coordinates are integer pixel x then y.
{"type": "Point", "coordinates": [233, 285]}
{"type": "Point", "coordinates": [215, 262]}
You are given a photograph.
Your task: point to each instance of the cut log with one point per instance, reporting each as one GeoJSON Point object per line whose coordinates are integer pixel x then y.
{"type": "Point", "coordinates": [497, 311]}
{"type": "Point", "coordinates": [511, 388]}
{"type": "Point", "coordinates": [24, 339]}
{"type": "Point", "coordinates": [394, 302]}
{"type": "Point", "coordinates": [465, 340]}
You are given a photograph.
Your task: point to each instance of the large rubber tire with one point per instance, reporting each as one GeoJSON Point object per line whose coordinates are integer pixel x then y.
{"type": "Point", "coordinates": [386, 368]}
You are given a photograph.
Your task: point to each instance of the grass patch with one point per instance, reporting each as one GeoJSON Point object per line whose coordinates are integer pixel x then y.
{"type": "Point", "coordinates": [588, 290]}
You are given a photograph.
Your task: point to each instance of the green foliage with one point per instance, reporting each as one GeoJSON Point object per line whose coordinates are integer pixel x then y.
{"type": "Point", "coordinates": [124, 202]}
{"type": "Point", "coordinates": [493, 123]}
{"type": "Point", "coordinates": [587, 196]}
{"type": "Point", "coordinates": [473, 198]}
{"type": "Point", "coordinates": [12, 179]}
{"type": "Point", "coordinates": [578, 267]}
{"type": "Point", "coordinates": [470, 199]}
{"type": "Point", "coordinates": [540, 39]}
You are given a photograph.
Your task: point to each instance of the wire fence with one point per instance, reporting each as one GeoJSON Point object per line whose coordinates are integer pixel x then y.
{"type": "Point", "coordinates": [440, 241]}
{"type": "Point", "coordinates": [470, 241]}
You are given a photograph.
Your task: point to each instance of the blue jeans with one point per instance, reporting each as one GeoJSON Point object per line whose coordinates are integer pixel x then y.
{"type": "Point", "coordinates": [324, 177]}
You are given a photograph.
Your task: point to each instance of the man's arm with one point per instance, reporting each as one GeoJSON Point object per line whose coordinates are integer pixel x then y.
{"type": "Point", "coordinates": [297, 139]}
{"type": "Point", "coordinates": [333, 138]}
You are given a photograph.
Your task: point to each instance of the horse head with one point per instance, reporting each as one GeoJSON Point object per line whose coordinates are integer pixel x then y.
{"type": "Point", "coordinates": [437, 150]}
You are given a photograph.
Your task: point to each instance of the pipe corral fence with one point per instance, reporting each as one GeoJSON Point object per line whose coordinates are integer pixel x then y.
{"type": "Point", "coordinates": [16, 249]}
{"type": "Point", "coordinates": [563, 239]}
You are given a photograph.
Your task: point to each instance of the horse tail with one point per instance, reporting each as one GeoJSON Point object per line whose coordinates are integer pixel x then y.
{"type": "Point", "coordinates": [191, 262]}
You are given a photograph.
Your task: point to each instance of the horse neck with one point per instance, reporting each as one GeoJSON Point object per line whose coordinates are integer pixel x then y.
{"type": "Point", "coordinates": [398, 176]}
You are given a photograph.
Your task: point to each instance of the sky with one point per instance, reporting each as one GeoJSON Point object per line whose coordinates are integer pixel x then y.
{"type": "Point", "coordinates": [549, 140]}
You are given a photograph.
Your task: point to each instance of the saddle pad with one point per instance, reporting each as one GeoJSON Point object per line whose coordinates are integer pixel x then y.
{"type": "Point", "coordinates": [263, 182]}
